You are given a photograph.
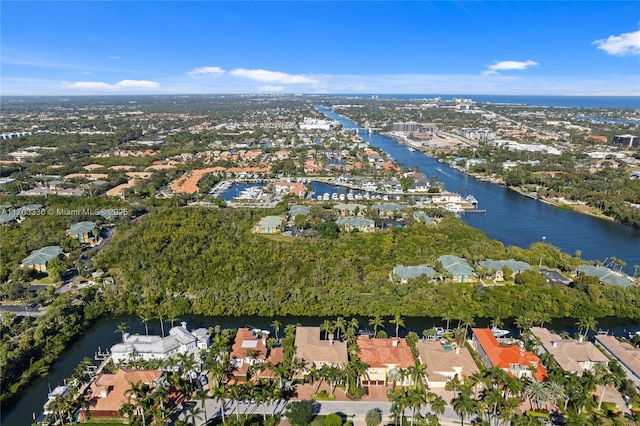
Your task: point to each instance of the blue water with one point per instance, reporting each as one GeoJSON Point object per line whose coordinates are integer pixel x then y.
{"type": "Point", "coordinates": [517, 220]}
{"type": "Point", "coordinates": [550, 101]}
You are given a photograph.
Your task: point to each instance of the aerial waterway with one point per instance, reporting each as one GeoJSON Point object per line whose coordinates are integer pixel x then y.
{"type": "Point", "coordinates": [515, 219]}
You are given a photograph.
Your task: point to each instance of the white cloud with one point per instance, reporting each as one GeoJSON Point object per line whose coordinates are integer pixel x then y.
{"type": "Point", "coordinates": [509, 65]}
{"type": "Point", "coordinates": [623, 45]}
{"type": "Point", "coordinates": [137, 83]}
{"type": "Point", "coordinates": [272, 76]}
{"type": "Point", "coordinates": [86, 73]}
{"type": "Point", "coordinates": [271, 89]}
{"type": "Point", "coordinates": [114, 58]}
{"type": "Point", "coordinates": [206, 70]}
{"type": "Point", "coordinates": [102, 86]}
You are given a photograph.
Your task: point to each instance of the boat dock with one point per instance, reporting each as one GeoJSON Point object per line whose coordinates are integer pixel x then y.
{"type": "Point", "coordinates": [474, 211]}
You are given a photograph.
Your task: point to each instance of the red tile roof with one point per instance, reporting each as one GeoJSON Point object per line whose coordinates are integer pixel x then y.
{"type": "Point", "coordinates": [504, 356]}
{"type": "Point", "coordinates": [384, 352]}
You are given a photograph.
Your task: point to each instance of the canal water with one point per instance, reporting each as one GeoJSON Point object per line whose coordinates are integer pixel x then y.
{"type": "Point", "coordinates": [516, 219]}
{"type": "Point", "coordinates": [104, 335]}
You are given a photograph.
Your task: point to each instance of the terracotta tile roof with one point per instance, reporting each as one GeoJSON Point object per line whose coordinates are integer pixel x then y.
{"type": "Point", "coordinates": [246, 339]}
{"type": "Point", "coordinates": [504, 356]}
{"type": "Point", "coordinates": [109, 390]}
{"type": "Point", "coordinates": [382, 353]}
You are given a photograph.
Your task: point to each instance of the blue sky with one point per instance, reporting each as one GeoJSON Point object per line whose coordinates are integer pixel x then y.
{"type": "Point", "coordinates": [380, 47]}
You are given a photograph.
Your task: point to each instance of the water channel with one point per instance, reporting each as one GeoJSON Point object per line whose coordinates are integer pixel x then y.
{"type": "Point", "coordinates": [516, 219]}
{"type": "Point", "coordinates": [511, 218]}
{"type": "Point", "coordinates": [104, 334]}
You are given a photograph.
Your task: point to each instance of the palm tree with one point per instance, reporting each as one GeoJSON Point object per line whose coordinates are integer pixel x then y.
{"type": "Point", "coordinates": [373, 417]}
{"type": "Point", "coordinates": [464, 405]}
{"type": "Point", "coordinates": [605, 377]}
{"type": "Point", "coordinates": [354, 324]}
{"type": "Point", "coordinates": [437, 404]}
{"type": "Point", "coordinates": [418, 373]}
{"type": "Point", "coordinates": [586, 324]}
{"type": "Point", "coordinates": [376, 322]}
{"type": "Point", "coordinates": [339, 324]}
{"type": "Point", "coordinates": [276, 326]}
{"type": "Point", "coordinates": [398, 321]}
{"type": "Point", "coordinates": [536, 392]}
{"type": "Point", "coordinates": [496, 322]}
{"type": "Point", "coordinates": [326, 326]}
{"type": "Point", "coordinates": [122, 329]}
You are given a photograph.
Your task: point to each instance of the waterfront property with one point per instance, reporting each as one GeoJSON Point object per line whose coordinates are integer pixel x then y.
{"type": "Point", "coordinates": [605, 275]}
{"type": "Point", "coordinates": [624, 353]}
{"type": "Point", "coordinates": [39, 259]}
{"type": "Point", "coordinates": [424, 218]}
{"type": "Point", "coordinates": [444, 362]}
{"type": "Point", "coordinates": [298, 210]}
{"type": "Point", "coordinates": [516, 266]}
{"type": "Point", "coordinates": [316, 352]}
{"type": "Point", "coordinates": [384, 358]}
{"type": "Point", "coordinates": [250, 351]}
{"type": "Point", "coordinates": [574, 356]}
{"type": "Point", "coordinates": [179, 341]}
{"type": "Point", "coordinates": [510, 357]}
{"type": "Point", "coordinates": [110, 391]}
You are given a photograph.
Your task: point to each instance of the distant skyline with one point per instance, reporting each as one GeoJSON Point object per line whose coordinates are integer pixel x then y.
{"type": "Point", "coordinates": [356, 47]}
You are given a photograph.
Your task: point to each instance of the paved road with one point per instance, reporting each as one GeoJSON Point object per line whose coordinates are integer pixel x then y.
{"type": "Point", "coordinates": [351, 410]}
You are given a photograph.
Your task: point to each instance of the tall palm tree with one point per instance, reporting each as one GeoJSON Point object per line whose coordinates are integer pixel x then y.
{"type": "Point", "coordinates": [418, 373]}
{"type": "Point", "coordinates": [398, 321]}
{"type": "Point", "coordinates": [376, 322]}
{"type": "Point", "coordinates": [354, 324]}
{"type": "Point", "coordinates": [437, 404]}
{"type": "Point", "coordinates": [326, 326]}
{"type": "Point", "coordinates": [464, 405]}
{"type": "Point", "coordinates": [606, 378]}
{"type": "Point", "coordinates": [340, 324]}
{"type": "Point", "coordinates": [276, 326]}
{"type": "Point", "coordinates": [122, 329]}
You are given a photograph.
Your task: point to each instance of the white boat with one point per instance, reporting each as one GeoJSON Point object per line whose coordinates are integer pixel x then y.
{"type": "Point", "coordinates": [367, 196]}
{"type": "Point", "coordinates": [326, 196]}
{"type": "Point", "coordinates": [632, 335]}
{"type": "Point", "coordinates": [453, 208]}
{"type": "Point", "coordinates": [499, 332]}
{"type": "Point", "coordinates": [342, 197]}
{"type": "Point", "coordinates": [251, 193]}
{"type": "Point", "coordinates": [358, 196]}
{"type": "Point", "coordinates": [350, 196]}
{"type": "Point", "coordinates": [319, 197]}
{"type": "Point", "coordinates": [334, 196]}
{"type": "Point", "coordinates": [412, 149]}
{"type": "Point", "coordinates": [471, 200]}
{"type": "Point", "coordinates": [440, 331]}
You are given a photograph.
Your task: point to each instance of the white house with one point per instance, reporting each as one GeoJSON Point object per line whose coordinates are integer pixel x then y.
{"type": "Point", "coordinates": [179, 341]}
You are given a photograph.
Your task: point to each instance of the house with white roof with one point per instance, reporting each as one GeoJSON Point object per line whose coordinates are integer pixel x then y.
{"type": "Point", "coordinates": [179, 341]}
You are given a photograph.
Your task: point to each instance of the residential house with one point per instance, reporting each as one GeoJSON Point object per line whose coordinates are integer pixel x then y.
{"type": "Point", "coordinates": [627, 356]}
{"type": "Point", "coordinates": [461, 271]}
{"type": "Point", "coordinates": [444, 362]}
{"type": "Point", "coordinates": [38, 259]}
{"type": "Point", "coordinates": [83, 232]}
{"type": "Point", "coordinates": [405, 273]}
{"type": "Point", "coordinates": [446, 197]}
{"type": "Point", "coordinates": [179, 341]}
{"type": "Point", "coordinates": [298, 210]}
{"type": "Point", "coordinates": [352, 223]}
{"type": "Point", "coordinates": [511, 358]}
{"type": "Point", "coordinates": [109, 392]}
{"type": "Point", "coordinates": [605, 275]}
{"type": "Point", "coordinates": [516, 267]}
{"type": "Point", "coordinates": [317, 352]}
{"type": "Point", "coordinates": [350, 209]}
{"type": "Point", "coordinates": [421, 185]}
{"type": "Point", "coordinates": [574, 356]}
{"type": "Point", "coordinates": [251, 357]}
{"type": "Point", "coordinates": [384, 358]}
{"type": "Point", "coordinates": [424, 218]}
{"type": "Point", "coordinates": [387, 209]}
{"type": "Point", "coordinates": [293, 188]}
{"type": "Point", "coordinates": [269, 225]}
